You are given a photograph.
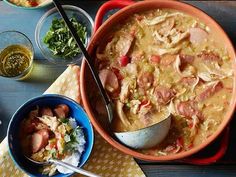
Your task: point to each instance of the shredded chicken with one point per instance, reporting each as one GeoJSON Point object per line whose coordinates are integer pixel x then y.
{"type": "Point", "coordinates": [49, 121]}
{"type": "Point", "coordinates": [110, 47]}
{"type": "Point", "coordinates": [131, 69]}
{"type": "Point", "coordinates": [167, 26]}
{"type": "Point", "coordinates": [162, 51]}
{"type": "Point", "coordinates": [205, 76]}
{"type": "Point", "coordinates": [177, 64]}
{"type": "Point", "coordinates": [177, 38]}
{"type": "Point", "coordinates": [195, 84]}
{"type": "Point", "coordinates": [127, 84]}
{"type": "Point", "coordinates": [161, 18]}
{"type": "Point", "coordinates": [121, 114]}
{"type": "Point", "coordinates": [134, 106]}
{"type": "Point", "coordinates": [171, 108]}
{"type": "Point", "coordinates": [160, 38]}
{"type": "Point", "coordinates": [194, 125]}
{"type": "Point", "coordinates": [172, 38]}
{"type": "Point", "coordinates": [124, 43]}
{"type": "Point", "coordinates": [217, 71]}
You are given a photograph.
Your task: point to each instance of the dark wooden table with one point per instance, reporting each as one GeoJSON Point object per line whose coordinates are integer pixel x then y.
{"type": "Point", "coordinates": [14, 93]}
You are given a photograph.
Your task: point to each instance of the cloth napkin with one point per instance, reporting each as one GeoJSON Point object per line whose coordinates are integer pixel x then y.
{"type": "Point", "coordinates": [105, 160]}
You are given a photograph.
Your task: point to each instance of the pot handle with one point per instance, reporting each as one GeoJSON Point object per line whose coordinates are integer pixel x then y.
{"type": "Point", "coordinates": [107, 6]}
{"type": "Point", "coordinates": [218, 155]}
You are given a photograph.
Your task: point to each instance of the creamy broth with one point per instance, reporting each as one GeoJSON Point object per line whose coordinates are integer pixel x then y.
{"type": "Point", "coordinates": [161, 63]}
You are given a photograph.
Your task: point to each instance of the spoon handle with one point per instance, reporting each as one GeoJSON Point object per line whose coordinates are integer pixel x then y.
{"type": "Point", "coordinates": [73, 168]}
{"type": "Point", "coordinates": [84, 51]}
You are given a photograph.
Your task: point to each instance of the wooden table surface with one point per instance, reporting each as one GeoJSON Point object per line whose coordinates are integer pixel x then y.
{"type": "Point", "coordinates": [14, 93]}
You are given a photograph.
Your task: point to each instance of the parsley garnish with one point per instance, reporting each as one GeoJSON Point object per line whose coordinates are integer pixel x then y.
{"type": "Point", "coordinates": [60, 41]}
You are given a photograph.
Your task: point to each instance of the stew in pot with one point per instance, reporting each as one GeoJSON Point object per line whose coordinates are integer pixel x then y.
{"type": "Point", "coordinates": [164, 62]}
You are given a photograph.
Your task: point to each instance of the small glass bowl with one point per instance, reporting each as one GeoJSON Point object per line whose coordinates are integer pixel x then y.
{"type": "Point", "coordinates": [44, 25]}
{"type": "Point", "coordinates": [16, 38]}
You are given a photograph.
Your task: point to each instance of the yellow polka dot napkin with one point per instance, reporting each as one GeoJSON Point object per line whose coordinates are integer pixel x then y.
{"type": "Point", "coordinates": [67, 84]}
{"type": "Point", "coordinates": [109, 162]}
{"type": "Point", "coordinates": [105, 160]}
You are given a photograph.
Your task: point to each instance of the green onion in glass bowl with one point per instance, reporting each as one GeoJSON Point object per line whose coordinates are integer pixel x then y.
{"type": "Point", "coordinates": [54, 39]}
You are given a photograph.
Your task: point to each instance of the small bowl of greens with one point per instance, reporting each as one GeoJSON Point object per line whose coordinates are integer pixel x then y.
{"type": "Point", "coordinates": [54, 39]}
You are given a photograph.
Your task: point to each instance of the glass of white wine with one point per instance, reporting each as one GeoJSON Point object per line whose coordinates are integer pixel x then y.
{"type": "Point", "coordinates": [16, 55]}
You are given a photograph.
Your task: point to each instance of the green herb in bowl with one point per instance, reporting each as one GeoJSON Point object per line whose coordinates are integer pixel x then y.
{"type": "Point", "coordinates": [60, 41]}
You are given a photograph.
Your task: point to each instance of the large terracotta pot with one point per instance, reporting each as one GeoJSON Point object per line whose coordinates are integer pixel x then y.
{"type": "Point", "coordinates": [116, 19]}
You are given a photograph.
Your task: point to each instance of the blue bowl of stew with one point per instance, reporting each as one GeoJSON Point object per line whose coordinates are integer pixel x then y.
{"type": "Point", "coordinates": [50, 100]}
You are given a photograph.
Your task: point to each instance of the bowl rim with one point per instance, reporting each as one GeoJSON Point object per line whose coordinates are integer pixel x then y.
{"type": "Point", "coordinates": [40, 24]}
{"type": "Point", "coordinates": [42, 97]}
{"type": "Point", "coordinates": [27, 8]}
{"type": "Point", "coordinates": [106, 25]}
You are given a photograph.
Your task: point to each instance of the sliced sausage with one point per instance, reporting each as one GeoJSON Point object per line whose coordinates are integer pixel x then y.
{"type": "Point", "coordinates": [188, 80]}
{"type": "Point", "coordinates": [44, 133]}
{"type": "Point", "coordinates": [46, 111]}
{"type": "Point", "coordinates": [188, 109]}
{"type": "Point", "coordinates": [59, 112]}
{"type": "Point", "coordinates": [65, 109]}
{"type": "Point", "coordinates": [109, 80]}
{"type": "Point", "coordinates": [197, 35]}
{"type": "Point", "coordinates": [31, 125]}
{"type": "Point", "coordinates": [186, 59]}
{"type": "Point", "coordinates": [101, 64]}
{"type": "Point", "coordinates": [164, 95]}
{"type": "Point", "coordinates": [117, 73]}
{"type": "Point", "coordinates": [39, 140]}
{"type": "Point", "coordinates": [210, 91]}
{"type": "Point", "coordinates": [145, 80]}
{"type": "Point", "coordinates": [209, 56]}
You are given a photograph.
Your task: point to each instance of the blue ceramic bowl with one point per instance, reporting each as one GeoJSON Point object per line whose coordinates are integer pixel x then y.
{"type": "Point", "coordinates": [76, 111]}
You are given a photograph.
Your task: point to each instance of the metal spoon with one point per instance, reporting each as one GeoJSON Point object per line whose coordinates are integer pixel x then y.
{"type": "Point", "coordinates": [143, 138]}
{"type": "Point", "coordinates": [64, 164]}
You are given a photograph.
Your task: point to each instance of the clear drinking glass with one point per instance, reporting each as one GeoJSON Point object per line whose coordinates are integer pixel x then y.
{"type": "Point", "coordinates": [16, 55]}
